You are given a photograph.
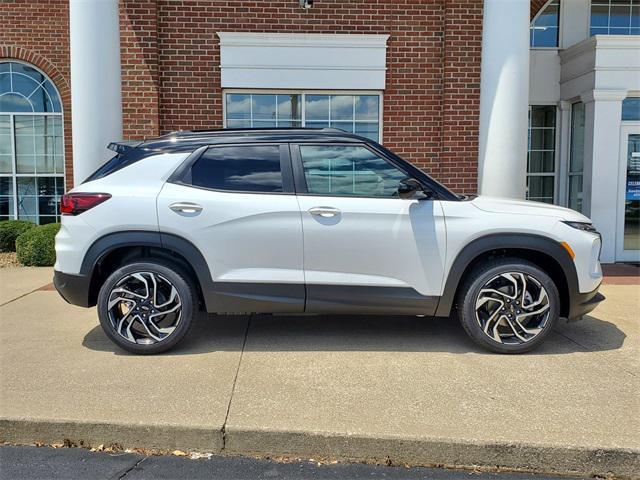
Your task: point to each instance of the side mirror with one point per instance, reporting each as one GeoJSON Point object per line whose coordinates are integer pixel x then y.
{"type": "Point", "coordinates": [412, 188]}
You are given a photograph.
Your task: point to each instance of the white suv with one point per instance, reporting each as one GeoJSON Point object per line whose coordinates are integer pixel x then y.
{"type": "Point", "coordinates": [311, 222]}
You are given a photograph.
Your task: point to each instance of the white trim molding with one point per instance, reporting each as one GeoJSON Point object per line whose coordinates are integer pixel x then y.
{"type": "Point", "coordinates": [603, 96]}
{"type": "Point", "coordinates": [302, 61]}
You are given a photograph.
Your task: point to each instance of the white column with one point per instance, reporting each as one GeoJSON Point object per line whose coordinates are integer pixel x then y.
{"type": "Point", "coordinates": [504, 98]}
{"type": "Point", "coordinates": [603, 118]}
{"type": "Point", "coordinates": [96, 98]}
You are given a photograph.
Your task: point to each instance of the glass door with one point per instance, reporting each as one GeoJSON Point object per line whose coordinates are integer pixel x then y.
{"type": "Point", "coordinates": [628, 244]}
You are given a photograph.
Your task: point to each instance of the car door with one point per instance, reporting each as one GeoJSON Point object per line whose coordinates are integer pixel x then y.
{"type": "Point", "coordinates": [366, 250]}
{"type": "Point", "coordinates": [236, 205]}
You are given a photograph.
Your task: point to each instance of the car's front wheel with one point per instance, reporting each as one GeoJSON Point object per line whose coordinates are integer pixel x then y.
{"type": "Point", "coordinates": [147, 307]}
{"type": "Point", "coordinates": [508, 305]}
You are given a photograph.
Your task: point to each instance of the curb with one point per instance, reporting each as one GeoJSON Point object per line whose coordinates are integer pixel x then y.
{"type": "Point", "coordinates": [393, 450]}
{"type": "Point", "coordinates": [86, 434]}
{"type": "Point", "coordinates": [550, 459]}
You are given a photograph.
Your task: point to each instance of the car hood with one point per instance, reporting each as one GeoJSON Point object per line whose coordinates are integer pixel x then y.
{"type": "Point", "coordinates": [525, 207]}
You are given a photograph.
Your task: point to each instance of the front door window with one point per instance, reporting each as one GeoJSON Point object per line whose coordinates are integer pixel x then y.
{"type": "Point", "coordinates": [339, 170]}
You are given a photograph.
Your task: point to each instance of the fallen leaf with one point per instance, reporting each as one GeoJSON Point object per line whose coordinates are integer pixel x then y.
{"type": "Point", "coordinates": [197, 455]}
{"type": "Point", "coordinates": [179, 453]}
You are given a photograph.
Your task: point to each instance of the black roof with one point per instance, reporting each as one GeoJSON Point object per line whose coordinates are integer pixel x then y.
{"type": "Point", "coordinates": [189, 138]}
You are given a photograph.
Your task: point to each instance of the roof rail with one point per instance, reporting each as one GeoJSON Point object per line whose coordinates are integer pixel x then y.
{"type": "Point", "coordinates": [181, 133]}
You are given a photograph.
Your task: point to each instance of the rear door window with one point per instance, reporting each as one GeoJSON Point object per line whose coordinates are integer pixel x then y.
{"type": "Point", "coordinates": [239, 168]}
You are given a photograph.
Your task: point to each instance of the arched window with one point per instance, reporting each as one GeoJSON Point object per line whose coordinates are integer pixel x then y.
{"type": "Point", "coordinates": [31, 144]}
{"type": "Point", "coordinates": [545, 27]}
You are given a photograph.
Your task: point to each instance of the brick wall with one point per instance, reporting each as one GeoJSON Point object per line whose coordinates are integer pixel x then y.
{"type": "Point", "coordinates": [139, 58]}
{"type": "Point", "coordinates": [171, 75]}
{"type": "Point", "coordinates": [461, 94]}
{"type": "Point", "coordinates": [431, 103]}
{"type": "Point", "coordinates": [38, 33]}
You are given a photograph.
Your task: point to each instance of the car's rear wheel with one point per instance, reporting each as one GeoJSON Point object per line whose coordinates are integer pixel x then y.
{"type": "Point", "coordinates": [147, 307]}
{"type": "Point", "coordinates": [508, 305]}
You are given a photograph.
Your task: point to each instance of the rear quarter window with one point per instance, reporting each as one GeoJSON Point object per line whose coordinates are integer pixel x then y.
{"type": "Point", "coordinates": [119, 162]}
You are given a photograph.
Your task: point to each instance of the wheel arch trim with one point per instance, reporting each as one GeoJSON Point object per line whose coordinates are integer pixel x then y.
{"type": "Point", "coordinates": [505, 241]}
{"type": "Point", "coordinates": [112, 241]}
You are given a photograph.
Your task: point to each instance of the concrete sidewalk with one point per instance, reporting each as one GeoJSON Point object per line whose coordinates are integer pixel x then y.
{"type": "Point", "coordinates": [16, 282]}
{"type": "Point", "coordinates": [378, 389]}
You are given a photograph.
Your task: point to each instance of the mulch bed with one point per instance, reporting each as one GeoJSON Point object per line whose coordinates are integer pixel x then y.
{"type": "Point", "coordinates": [8, 259]}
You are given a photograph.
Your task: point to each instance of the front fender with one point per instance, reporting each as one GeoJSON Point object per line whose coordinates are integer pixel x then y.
{"type": "Point", "coordinates": [503, 243]}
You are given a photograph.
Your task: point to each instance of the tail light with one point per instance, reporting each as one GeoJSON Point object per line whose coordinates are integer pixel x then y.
{"type": "Point", "coordinates": [76, 203]}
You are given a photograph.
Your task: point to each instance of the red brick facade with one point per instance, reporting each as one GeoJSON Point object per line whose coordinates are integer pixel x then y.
{"type": "Point", "coordinates": [171, 74]}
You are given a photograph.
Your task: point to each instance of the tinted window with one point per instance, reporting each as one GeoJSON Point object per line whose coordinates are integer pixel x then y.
{"type": "Point", "coordinates": [119, 162]}
{"type": "Point", "coordinates": [347, 170]}
{"type": "Point", "coordinates": [239, 168]}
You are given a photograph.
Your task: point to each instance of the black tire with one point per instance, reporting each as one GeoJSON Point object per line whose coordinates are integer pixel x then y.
{"type": "Point", "coordinates": [174, 276]}
{"type": "Point", "coordinates": [484, 273]}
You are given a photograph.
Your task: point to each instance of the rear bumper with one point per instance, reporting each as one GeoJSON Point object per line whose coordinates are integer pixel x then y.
{"type": "Point", "coordinates": [583, 303]}
{"type": "Point", "coordinates": [73, 288]}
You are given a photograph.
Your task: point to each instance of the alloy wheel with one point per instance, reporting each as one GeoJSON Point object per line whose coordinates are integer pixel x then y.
{"type": "Point", "coordinates": [144, 308]}
{"type": "Point", "coordinates": [512, 308]}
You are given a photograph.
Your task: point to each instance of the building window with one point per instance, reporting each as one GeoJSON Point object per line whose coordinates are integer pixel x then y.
{"type": "Point", "coordinates": [615, 17]}
{"type": "Point", "coordinates": [354, 113]}
{"type": "Point", "coordinates": [541, 158]}
{"type": "Point", "coordinates": [576, 156]}
{"type": "Point", "coordinates": [31, 145]}
{"type": "Point", "coordinates": [545, 28]}
{"type": "Point", "coordinates": [631, 109]}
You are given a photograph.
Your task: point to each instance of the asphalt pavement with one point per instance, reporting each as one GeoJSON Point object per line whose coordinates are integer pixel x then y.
{"type": "Point", "coordinates": [45, 463]}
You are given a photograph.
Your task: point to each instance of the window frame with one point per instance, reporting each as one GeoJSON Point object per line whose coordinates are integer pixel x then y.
{"type": "Point", "coordinates": [570, 143]}
{"type": "Point", "coordinates": [560, 25]}
{"type": "Point", "coordinates": [182, 175]}
{"type": "Point", "coordinates": [608, 4]}
{"type": "Point", "coordinates": [301, 179]}
{"type": "Point", "coordinates": [303, 93]}
{"type": "Point", "coordinates": [556, 151]}
{"type": "Point", "coordinates": [14, 175]}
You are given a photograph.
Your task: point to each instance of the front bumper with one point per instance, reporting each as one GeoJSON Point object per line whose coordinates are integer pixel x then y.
{"type": "Point", "coordinates": [583, 303]}
{"type": "Point", "coordinates": [73, 288]}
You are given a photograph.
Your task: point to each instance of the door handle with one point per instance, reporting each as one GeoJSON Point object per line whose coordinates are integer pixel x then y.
{"type": "Point", "coordinates": [325, 212]}
{"type": "Point", "coordinates": [185, 207]}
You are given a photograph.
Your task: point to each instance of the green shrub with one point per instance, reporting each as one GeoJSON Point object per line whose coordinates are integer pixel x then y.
{"type": "Point", "coordinates": [10, 230]}
{"type": "Point", "coordinates": [36, 247]}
